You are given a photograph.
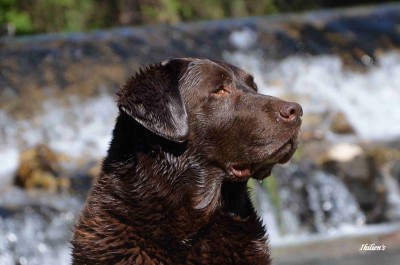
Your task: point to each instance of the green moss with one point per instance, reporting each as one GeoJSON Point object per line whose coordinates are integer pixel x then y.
{"type": "Point", "coordinates": [20, 20]}
{"type": "Point", "coordinates": [271, 186]}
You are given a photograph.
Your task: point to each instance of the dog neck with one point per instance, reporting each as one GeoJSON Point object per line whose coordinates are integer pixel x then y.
{"type": "Point", "coordinates": [236, 200]}
{"type": "Point", "coordinates": [154, 175]}
{"type": "Point", "coordinates": [148, 170]}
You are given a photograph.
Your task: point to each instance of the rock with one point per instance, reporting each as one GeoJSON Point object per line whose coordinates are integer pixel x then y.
{"type": "Point", "coordinates": [384, 154]}
{"type": "Point", "coordinates": [387, 158]}
{"type": "Point", "coordinates": [39, 168]}
{"type": "Point", "coordinates": [312, 126]}
{"type": "Point", "coordinates": [340, 124]}
{"type": "Point", "coordinates": [362, 176]}
{"type": "Point", "coordinates": [313, 150]}
{"type": "Point", "coordinates": [344, 152]}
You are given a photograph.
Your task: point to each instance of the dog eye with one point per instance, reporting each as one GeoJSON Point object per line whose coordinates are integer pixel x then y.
{"type": "Point", "coordinates": [221, 91]}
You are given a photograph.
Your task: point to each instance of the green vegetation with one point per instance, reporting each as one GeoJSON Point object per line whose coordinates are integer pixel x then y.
{"type": "Point", "coordinates": [13, 17]}
{"type": "Point", "coordinates": [38, 16]}
{"type": "Point", "coordinates": [271, 185]}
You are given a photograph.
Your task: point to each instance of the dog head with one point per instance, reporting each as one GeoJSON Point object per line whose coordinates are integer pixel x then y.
{"type": "Point", "coordinates": [214, 108]}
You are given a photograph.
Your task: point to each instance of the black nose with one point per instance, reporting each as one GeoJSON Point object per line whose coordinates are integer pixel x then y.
{"type": "Point", "coordinates": [290, 110]}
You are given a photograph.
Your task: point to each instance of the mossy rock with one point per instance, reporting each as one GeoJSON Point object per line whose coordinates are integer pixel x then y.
{"type": "Point", "coordinates": [383, 154]}
{"type": "Point", "coordinates": [39, 168]}
{"type": "Point", "coordinates": [340, 124]}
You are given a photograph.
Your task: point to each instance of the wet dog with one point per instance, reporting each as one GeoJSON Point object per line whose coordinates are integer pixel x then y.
{"type": "Point", "coordinates": [189, 135]}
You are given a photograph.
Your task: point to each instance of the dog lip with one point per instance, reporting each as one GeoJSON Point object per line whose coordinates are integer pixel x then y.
{"type": "Point", "coordinates": [283, 154]}
{"type": "Point", "coordinates": [240, 170]}
{"type": "Point", "coordinates": [287, 151]}
{"type": "Point", "coordinates": [263, 171]}
{"type": "Point", "coordinates": [259, 170]}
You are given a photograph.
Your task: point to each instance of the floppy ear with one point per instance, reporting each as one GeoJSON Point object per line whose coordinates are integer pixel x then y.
{"type": "Point", "coordinates": [152, 98]}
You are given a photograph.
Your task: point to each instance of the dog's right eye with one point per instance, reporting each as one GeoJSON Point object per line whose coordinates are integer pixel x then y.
{"type": "Point", "coordinates": [221, 91]}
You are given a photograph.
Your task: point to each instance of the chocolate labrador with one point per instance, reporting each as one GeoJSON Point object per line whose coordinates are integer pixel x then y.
{"type": "Point", "coordinates": [189, 135]}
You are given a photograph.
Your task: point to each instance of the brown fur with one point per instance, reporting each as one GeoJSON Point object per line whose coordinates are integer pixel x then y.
{"type": "Point", "coordinates": [190, 134]}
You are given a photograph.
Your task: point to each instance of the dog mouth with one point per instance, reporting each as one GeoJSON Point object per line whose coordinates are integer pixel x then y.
{"type": "Point", "coordinates": [261, 170]}
{"type": "Point", "coordinates": [240, 170]}
{"type": "Point", "coordinates": [253, 170]}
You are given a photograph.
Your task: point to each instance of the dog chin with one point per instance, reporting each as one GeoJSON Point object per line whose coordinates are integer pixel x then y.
{"type": "Point", "coordinates": [288, 151]}
{"type": "Point", "coordinates": [283, 156]}
{"type": "Point", "coordinates": [263, 172]}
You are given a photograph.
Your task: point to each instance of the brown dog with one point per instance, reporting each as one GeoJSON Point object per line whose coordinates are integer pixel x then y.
{"type": "Point", "coordinates": [190, 134]}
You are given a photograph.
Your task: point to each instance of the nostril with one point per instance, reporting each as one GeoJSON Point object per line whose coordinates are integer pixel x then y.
{"type": "Point", "coordinates": [290, 111]}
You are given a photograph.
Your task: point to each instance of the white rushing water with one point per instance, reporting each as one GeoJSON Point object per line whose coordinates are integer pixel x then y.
{"type": "Point", "coordinates": [79, 129]}
{"type": "Point", "coordinates": [35, 228]}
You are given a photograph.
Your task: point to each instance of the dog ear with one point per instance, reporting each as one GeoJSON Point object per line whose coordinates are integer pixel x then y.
{"type": "Point", "coordinates": [152, 98]}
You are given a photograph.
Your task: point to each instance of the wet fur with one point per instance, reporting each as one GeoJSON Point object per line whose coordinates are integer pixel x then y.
{"type": "Point", "coordinates": [164, 195]}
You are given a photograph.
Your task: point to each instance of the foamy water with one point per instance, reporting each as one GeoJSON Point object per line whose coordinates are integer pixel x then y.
{"type": "Point", "coordinates": [35, 228]}
{"type": "Point", "coordinates": [80, 129]}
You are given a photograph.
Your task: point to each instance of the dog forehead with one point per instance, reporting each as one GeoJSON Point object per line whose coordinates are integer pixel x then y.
{"type": "Point", "coordinates": [204, 69]}
{"type": "Point", "coordinates": [201, 71]}
{"type": "Point", "coordinates": [232, 68]}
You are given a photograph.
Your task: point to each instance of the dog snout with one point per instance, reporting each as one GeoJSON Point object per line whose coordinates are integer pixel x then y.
{"type": "Point", "coordinates": [290, 111]}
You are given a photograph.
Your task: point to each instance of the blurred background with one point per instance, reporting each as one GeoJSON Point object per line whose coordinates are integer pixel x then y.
{"type": "Point", "coordinates": [61, 62]}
